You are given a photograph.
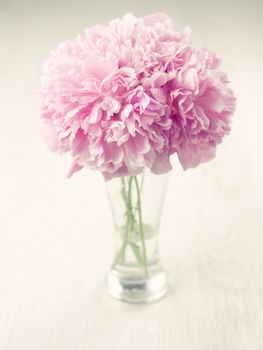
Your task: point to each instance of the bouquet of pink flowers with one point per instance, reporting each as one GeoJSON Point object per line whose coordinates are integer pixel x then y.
{"type": "Point", "coordinates": [129, 95]}
{"type": "Point", "coordinates": [123, 98]}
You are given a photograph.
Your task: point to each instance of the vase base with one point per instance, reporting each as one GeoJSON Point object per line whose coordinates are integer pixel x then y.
{"type": "Point", "coordinates": [135, 289]}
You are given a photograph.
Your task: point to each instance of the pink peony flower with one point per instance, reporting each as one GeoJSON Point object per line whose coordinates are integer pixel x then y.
{"type": "Point", "coordinates": [129, 95]}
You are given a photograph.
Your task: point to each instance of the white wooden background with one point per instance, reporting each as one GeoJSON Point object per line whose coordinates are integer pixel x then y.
{"type": "Point", "coordinates": [56, 238]}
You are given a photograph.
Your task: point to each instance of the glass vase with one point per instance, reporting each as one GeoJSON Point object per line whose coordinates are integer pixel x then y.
{"type": "Point", "coordinates": [136, 203]}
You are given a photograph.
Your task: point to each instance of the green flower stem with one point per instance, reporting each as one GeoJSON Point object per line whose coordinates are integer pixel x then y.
{"type": "Point", "coordinates": [121, 253]}
{"type": "Point", "coordinates": [130, 214]}
{"type": "Point", "coordinates": [129, 218]}
{"type": "Point", "coordinates": [144, 254]}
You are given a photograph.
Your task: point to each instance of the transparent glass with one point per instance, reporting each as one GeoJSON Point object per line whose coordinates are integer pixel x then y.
{"type": "Point", "coordinates": [136, 203]}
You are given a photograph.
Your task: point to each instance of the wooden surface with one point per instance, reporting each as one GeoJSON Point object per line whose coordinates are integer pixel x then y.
{"type": "Point", "coordinates": [56, 236]}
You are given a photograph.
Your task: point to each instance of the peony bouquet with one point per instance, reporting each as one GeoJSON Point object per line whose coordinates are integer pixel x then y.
{"type": "Point", "coordinates": [127, 96]}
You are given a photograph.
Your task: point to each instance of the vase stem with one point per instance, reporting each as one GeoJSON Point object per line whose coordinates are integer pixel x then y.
{"type": "Point", "coordinates": [130, 223]}
{"type": "Point", "coordinates": [145, 264]}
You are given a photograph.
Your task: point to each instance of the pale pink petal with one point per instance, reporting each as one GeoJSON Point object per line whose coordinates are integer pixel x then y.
{"type": "Point", "coordinates": [73, 169]}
